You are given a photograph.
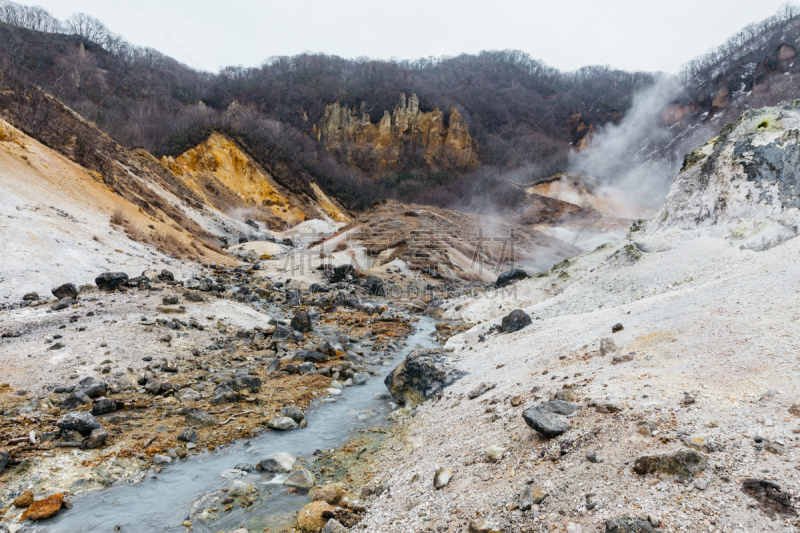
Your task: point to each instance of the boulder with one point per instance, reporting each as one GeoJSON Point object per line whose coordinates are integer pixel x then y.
{"type": "Point", "coordinates": [103, 406]}
{"type": "Point", "coordinates": [80, 421]}
{"type": "Point", "coordinates": [96, 438]}
{"type": "Point", "coordinates": [374, 286]}
{"type": "Point", "coordinates": [200, 418]}
{"type": "Point", "coordinates": [510, 276]}
{"type": "Point", "coordinates": [45, 508]}
{"type": "Point", "coordinates": [24, 500]}
{"type": "Point", "coordinates": [300, 479]}
{"type": "Point", "coordinates": [293, 412]}
{"type": "Point", "coordinates": [302, 321]}
{"type": "Point", "coordinates": [188, 435]}
{"type": "Point", "coordinates": [341, 272]}
{"type": "Point", "coordinates": [75, 400]}
{"type": "Point", "coordinates": [546, 422]}
{"type": "Point", "coordinates": [312, 517]}
{"type": "Point", "coordinates": [247, 382]}
{"type": "Point", "coordinates": [241, 488]}
{"type": "Point", "coordinates": [277, 463]}
{"type": "Point", "coordinates": [111, 281]}
{"type": "Point", "coordinates": [515, 321]}
{"type": "Point", "coordinates": [422, 375]}
{"type": "Point", "coordinates": [310, 356]}
{"type": "Point", "coordinates": [773, 500]}
{"type": "Point", "coordinates": [66, 290]}
{"type": "Point", "coordinates": [331, 493]}
{"type": "Point", "coordinates": [282, 423]}
{"type": "Point", "coordinates": [684, 464]}
{"type": "Point", "coordinates": [93, 387]}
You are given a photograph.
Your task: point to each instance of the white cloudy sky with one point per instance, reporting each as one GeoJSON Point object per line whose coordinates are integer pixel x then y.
{"type": "Point", "coordinates": [627, 34]}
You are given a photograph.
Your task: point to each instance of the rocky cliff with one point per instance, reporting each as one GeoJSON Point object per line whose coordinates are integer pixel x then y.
{"type": "Point", "coordinates": [406, 138]}
{"type": "Point", "coordinates": [742, 185]}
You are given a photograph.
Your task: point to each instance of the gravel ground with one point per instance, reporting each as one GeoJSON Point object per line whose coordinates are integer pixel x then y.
{"type": "Point", "coordinates": [700, 316]}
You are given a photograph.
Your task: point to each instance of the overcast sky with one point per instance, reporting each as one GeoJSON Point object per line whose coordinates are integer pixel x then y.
{"type": "Point", "coordinates": [627, 34]}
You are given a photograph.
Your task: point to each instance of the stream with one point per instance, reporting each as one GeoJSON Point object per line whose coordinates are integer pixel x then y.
{"type": "Point", "coordinates": [161, 503]}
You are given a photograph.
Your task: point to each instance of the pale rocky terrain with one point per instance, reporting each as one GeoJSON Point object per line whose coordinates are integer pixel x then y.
{"type": "Point", "coordinates": [706, 360]}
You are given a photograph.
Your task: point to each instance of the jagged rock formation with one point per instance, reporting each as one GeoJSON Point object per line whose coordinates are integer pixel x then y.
{"type": "Point", "coordinates": [406, 138]}
{"type": "Point", "coordinates": [226, 178]}
{"type": "Point", "coordinates": [742, 185]}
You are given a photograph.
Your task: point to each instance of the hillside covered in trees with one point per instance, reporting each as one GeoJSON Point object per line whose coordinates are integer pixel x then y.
{"type": "Point", "coordinates": [521, 117]}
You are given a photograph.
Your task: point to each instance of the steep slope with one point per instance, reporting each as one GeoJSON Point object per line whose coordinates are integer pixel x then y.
{"type": "Point", "coordinates": [226, 178]}
{"type": "Point", "coordinates": [703, 361]}
{"type": "Point", "coordinates": [60, 223]}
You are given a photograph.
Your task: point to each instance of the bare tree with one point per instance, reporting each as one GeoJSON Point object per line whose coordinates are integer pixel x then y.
{"type": "Point", "coordinates": [87, 27]}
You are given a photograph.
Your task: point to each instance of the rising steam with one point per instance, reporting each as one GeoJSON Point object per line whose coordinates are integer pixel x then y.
{"type": "Point", "coordinates": [635, 156]}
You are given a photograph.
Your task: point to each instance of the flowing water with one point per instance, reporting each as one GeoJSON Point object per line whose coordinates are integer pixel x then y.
{"type": "Point", "coordinates": [161, 503]}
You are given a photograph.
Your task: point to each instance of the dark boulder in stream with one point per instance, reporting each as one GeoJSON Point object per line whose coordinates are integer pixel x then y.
{"type": "Point", "coordinates": [422, 375]}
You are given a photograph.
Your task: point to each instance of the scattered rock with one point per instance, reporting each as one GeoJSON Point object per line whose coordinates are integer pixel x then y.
{"type": "Point", "coordinates": [531, 495]}
{"type": "Point", "coordinates": [484, 526]}
{"type": "Point", "coordinates": [617, 327]}
{"type": "Point", "coordinates": [494, 453]}
{"type": "Point", "coordinates": [62, 304]}
{"type": "Point", "coordinates": [241, 488]}
{"type": "Point", "coordinates": [97, 438]}
{"type": "Point", "coordinates": [629, 524]}
{"type": "Point", "coordinates": [684, 464]}
{"type": "Point", "coordinates": [331, 493]}
{"type": "Point", "coordinates": [374, 286]}
{"type": "Point", "coordinates": [80, 421]}
{"type": "Point", "coordinates": [313, 517]}
{"type": "Point", "coordinates": [301, 479]}
{"type": "Point", "coordinates": [103, 406]}
{"type": "Point", "coordinates": [442, 477]}
{"type": "Point", "coordinates": [111, 281]}
{"type": "Point", "coordinates": [24, 500]}
{"type": "Point", "coordinates": [510, 276]}
{"type": "Point", "coordinates": [546, 422]}
{"type": "Point", "coordinates": [159, 459]}
{"type": "Point", "coordinates": [293, 412]}
{"type": "Point", "coordinates": [334, 527]}
{"type": "Point", "coordinates": [773, 501]}
{"type": "Point", "coordinates": [607, 346]}
{"type": "Point", "coordinates": [480, 390]}
{"type": "Point", "coordinates": [200, 418]}
{"type": "Point", "coordinates": [627, 358]}
{"type": "Point", "coordinates": [301, 321]}
{"type": "Point", "coordinates": [4, 457]}
{"type": "Point", "coordinates": [423, 374]}
{"type": "Point", "coordinates": [277, 463]}
{"type": "Point", "coordinates": [188, 435]}
{"type": "Point", "coordinates": [41, 509]}
{"type": "Point", "coordinates": [66, 290]}
{"type": "Point", "coordinates": [515, 321]}
{"type": "Point", "coordinates": [282, 423]}
{"type": "Point", "coordinates": [92, 387]}
{"type": "Point", "coordinates": [30, 297]}
{"type": "Point", "coordinates": [701, 483]}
